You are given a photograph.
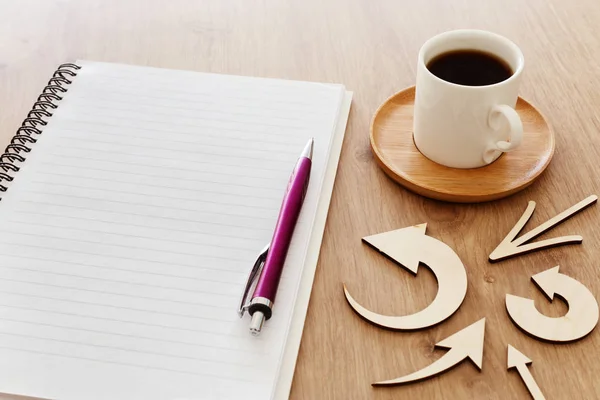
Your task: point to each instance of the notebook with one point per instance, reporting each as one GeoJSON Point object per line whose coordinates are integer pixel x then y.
{"type": "Point", "coordinates": [134, 201]}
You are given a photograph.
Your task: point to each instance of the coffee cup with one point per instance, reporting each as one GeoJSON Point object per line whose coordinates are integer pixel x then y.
{"type": "Point", "coordinates": [466, 92]}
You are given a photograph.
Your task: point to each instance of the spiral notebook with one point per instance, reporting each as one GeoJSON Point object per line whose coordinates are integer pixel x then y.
{"type": "Point", "coordinates": [134, 201]}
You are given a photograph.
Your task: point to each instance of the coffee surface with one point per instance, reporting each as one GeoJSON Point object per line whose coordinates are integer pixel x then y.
{"type": "Point", "coordinates": [469, 68]}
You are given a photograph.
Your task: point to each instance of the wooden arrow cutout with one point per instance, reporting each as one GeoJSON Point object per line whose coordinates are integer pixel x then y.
{"type": "Point", "coordinates": [510, 247]}
{"type": "Point", "coordinates": [580, 320]}
{"type": "Point", "coordinates": [518, 360]}
{"type": "Point", "coordinates": [409, 246]}
{"type": "Point", "coordinates": [466, 343]}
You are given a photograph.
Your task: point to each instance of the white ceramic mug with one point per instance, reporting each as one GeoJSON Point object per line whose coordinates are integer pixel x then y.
{"type": "Point", "coordinates": [467, 126]}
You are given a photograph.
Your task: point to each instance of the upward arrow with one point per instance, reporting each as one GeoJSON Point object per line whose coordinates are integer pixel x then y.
{"type": "Point", "coordinates": [518, 360]}
{"type": "Point", "coordinates": [466, 343]}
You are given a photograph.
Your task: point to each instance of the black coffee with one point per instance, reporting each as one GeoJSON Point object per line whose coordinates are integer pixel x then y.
{"type": "Point", "coordinates": [469, 68]}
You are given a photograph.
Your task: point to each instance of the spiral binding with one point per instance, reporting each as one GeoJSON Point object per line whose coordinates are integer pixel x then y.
{"type": "Point", "coordinates": [34, 123]}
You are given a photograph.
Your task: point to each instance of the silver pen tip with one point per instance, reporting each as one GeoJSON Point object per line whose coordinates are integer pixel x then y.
{"type": "Point", "coordinates": [258, 318]}
{"type": "Point", "coordinates": [308, 149]}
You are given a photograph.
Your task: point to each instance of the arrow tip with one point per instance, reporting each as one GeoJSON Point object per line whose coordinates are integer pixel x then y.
{"type": "Point", "coordinates": [495, 255]}
{"type": "Point", "coordinates": [468, 341]}
{"type": "Point", "coordinates": [396, 244]}
{"type": "Point", "coordinates": [421, 227]}
{"type": "Point", "coordinates": [546, 281]}
{"type": "Point", "coordinates": [516, 358]}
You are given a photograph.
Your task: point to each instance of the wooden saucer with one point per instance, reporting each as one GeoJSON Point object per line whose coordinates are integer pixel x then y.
{"type": "Point", "coordinates": [395, 151]}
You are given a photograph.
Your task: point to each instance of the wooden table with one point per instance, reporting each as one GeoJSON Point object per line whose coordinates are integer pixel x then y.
{"type": "Point", "coordinates": [371, 47]}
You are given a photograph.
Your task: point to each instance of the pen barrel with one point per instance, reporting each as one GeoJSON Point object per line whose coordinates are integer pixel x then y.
{"type": "Point", "coordinates": [268, 281]}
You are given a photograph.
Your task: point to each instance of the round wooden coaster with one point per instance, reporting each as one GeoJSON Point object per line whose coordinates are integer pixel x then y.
{"type": "Point", "coordinates": [395, 151]}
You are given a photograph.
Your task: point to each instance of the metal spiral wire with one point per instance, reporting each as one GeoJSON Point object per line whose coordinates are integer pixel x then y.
{"type": "Point", "coordinates": [20, 145]}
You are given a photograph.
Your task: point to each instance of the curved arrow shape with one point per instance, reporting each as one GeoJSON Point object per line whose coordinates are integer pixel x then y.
{"type": "Point", "coordinates": [408, 246]}
{"type": "Point", "coordinates": [580, 320]}
{"type": "Point", "coordinates": [466, 343]}
{"type": "Point", "coordinates": [518, 360]}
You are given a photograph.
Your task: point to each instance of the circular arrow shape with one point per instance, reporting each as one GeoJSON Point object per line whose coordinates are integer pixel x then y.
{"type": "Point", "coordinates": [409, 246]}
{"type": "Point", "coordinates": [579, 321]}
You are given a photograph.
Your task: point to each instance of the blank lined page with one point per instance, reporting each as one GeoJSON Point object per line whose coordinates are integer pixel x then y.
{"type": "Point", "coordinates": [127, 235]}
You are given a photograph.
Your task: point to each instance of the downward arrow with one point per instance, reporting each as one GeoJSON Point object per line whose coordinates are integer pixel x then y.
{"type": "Point", "coordinates": [466, 343]}
{"type": "Point", "coordinates": [518, 360]}
{"type": "Point", "coordinates": [510, 247]}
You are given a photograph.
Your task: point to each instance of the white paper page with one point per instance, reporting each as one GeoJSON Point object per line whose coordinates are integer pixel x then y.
{"type": "Point", "coordinates": [292, 345]}
{"type": "Point", "coordinates": [127, 235]}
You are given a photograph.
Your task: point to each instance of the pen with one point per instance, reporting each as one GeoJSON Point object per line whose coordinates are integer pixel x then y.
{"type": "Point", "coordinates": [272, 258]}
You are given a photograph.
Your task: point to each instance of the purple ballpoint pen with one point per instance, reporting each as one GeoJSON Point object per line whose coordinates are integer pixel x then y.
{"type": "Point", "coordinates": [271, 260]}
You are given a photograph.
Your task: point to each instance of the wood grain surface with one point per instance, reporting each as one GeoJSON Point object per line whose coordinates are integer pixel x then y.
{"type": "Point", "coordinates": [371, 47]}
{"type": "Point", "coordinates": [394, 149]}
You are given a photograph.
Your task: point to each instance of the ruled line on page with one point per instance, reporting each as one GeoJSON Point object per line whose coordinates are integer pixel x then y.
{"type": "Point", "coordinates": [194, 147]}
{"type": "Point", "coordinates": [139, 183]}
{"type": "Point", "coordinates": [125, 230]}
{"type": "Point", "coordinates": [233, 184]}
{"type": "Point", "coordinates": [216, 304]}
{"type": "Point", "coordinates": [68, 145]}
{"type": "Point", "coordinates": [105, 298]}
{"type": "Point", "coordinates": [250, 151]}
{"type": "Point", "coordinates": [161, 340]}
{"type": "Point", "coordinates": [70, 249]}
{"type": "Point", "coordinates": [125, 278]}
{"type": "Point", "coordinates": [209, 131]}
{"type": "Point", "coordinates": [81, 100]}
{"type": "Point", "coordinates": [153, 170]}
{"type": "Point", "coordinates": [185, 181]}
{"type": "Point", "coordinates": [192, 275]}
{"type": "Point", "coordinates": [122, 90]}
{"type": "Point", "coordinates": [99, 92]}
{"type": "Point", "coordinates": [137, 236]}
{"type": "Point", "coordinates": [253, 217]}
{"type": "Point", "coordinates": [143, 311]}
{"type": "Point", "coordinates": [96, 360]}
{"type": "Point", "coordinates": [129, 350]}
{"type": "Point", "coordinates": [150, 249]}
{"type": "Point", "coordinates": [224, 82]}
{"type": "Point", "coordinates": [166, 275]}
{"type": "Point", "coordinates": [123, 321]}
{"type": "Point", "coordinates": [167, 92]}
{"type": "Point", "coordinates": [176, 137]}
{"type": "Point", "coordinates": [95, 278]}
{"type": "Point", "coordinates": [71, 328]}
{"type": "Point", "coordinates": [90, 185]}
{"type": "Point", "coordinates": [221, 263]}
{"type": "Point", "coordinates": [243, 121]}
{"type": "Point", "coordinates": [132, 316]}
{"type": "Point", "coordinates": [136, 271]}
{"type": "Point", "coordinates": [149, 216]}
{"type": "Point", "coordinates": [220, 80]}
{"type": "Point", "coordinates": [162, 228]}
{"type": "Point", "coordinates": [203, 182]}
{"type": "Point", "coordinates": [298, 130]}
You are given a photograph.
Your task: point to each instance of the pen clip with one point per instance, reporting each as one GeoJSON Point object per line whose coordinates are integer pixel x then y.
{"type": "Point", "coordinates": [254, 272]}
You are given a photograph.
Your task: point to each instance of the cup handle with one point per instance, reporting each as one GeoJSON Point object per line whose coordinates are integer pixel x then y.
{"type": "Point", "coordinates": [515, 130]}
